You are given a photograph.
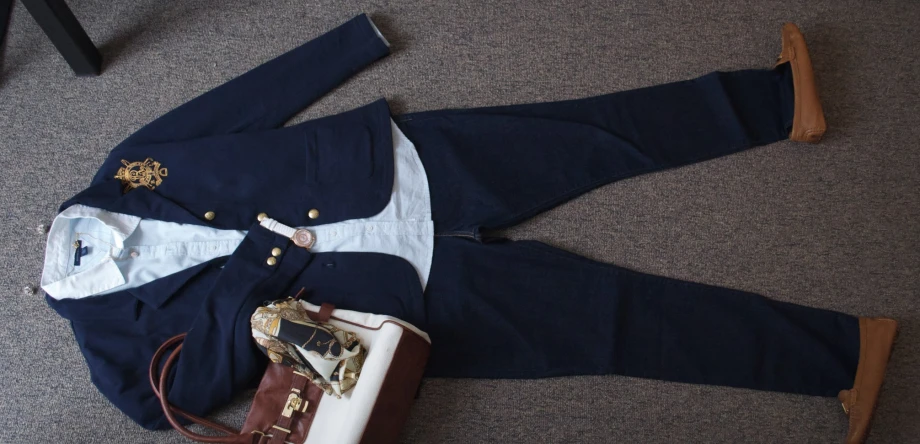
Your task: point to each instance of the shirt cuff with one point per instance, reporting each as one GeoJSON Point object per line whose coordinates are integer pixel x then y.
{"type": "Point", "coordinates": [379, 34]}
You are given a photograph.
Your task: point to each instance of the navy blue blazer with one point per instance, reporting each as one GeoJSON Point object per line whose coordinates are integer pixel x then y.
{"type": "Point", "coordinates": [228, 154]}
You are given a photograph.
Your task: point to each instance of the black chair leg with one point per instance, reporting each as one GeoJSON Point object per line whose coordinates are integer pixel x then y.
{"type": "Point", "coordinates": [59, 23]}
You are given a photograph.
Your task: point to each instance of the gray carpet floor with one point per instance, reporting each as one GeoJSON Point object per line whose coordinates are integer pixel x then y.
{"type": "Point", "coordinates": [832, 225]}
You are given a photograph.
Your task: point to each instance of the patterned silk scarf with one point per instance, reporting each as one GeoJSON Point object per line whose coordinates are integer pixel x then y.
{"type": "Point", "coordinates": [331, 358]}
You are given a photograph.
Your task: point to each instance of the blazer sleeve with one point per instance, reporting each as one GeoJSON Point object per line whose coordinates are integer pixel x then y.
{"type": "Point", "coordinates": [270, 94]}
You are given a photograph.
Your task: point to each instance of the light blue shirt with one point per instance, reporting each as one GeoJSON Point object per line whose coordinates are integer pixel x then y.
{"type": "Point", "coordinates": [125, 251]}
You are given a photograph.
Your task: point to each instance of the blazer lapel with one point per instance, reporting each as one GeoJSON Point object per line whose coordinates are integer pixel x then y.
{"type": "Point", "coordinates": [109, 195]}
{"type": "Point", "coordinates": [155, 293]}
{"type": "Point", "coordinates": [120, 305]}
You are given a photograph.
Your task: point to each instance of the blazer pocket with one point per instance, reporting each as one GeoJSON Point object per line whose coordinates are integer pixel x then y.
{"type": "Point", "coordinates": [341, 153]}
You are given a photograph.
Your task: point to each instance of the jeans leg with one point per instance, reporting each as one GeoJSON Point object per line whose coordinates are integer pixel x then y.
{"type": "Point", "coordinates": [527, 310]}
{"type": "Point", "coordinates": [494, 167]}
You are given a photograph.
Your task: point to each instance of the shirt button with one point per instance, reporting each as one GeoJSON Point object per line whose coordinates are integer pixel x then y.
{"type": "Point", "coordinates": [209, 215]}
{"type": "Point", "coordinates": [271, 261]}
{"type": "Point", "coordinates": [370, 228]}
{"type": "Point", "coordinates": [261, 216]}
{"type": "Point", "coordinates": [313, 214]}
{"type": "Point", "coordinates": [135, 254]}
{"type": "Point", "coordinates": [276, 252]}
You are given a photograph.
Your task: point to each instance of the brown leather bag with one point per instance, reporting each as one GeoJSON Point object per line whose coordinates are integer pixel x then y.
{"type": "Point", "coordinates": [280, 411]}
{"type": "Point", "coordinates": [286, 402]}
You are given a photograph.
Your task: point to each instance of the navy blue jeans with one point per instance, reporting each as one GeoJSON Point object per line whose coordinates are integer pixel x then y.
{"type": "Point", "coordinates": [523, 309]}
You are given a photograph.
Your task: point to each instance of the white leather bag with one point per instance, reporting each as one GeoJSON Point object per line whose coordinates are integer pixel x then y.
{"type": "Point", "coordinates": [380, 401]}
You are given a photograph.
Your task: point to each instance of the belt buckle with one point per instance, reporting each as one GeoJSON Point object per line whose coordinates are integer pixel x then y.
{"type": "Point", "coordinates": [303, 238]}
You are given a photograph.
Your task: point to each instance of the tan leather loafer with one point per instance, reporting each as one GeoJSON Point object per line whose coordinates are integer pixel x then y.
{"type": "Point", "coordinates": [808, 123]}
{"type": "Point", "coordinates": [875, 343]}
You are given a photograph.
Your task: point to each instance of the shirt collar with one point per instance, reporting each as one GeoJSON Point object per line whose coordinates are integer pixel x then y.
{"type": "Point", "coordinates": [103, 276]}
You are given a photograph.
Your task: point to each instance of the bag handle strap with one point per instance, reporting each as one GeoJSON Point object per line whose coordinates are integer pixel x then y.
{"type": "Point", "coordinates": [158, 381]}
{"type": "Point", "coordinates": [325, 312]}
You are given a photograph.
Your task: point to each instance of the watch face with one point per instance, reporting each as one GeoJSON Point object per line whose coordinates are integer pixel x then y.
{"type": "Point", "coordinates": [303, 238]}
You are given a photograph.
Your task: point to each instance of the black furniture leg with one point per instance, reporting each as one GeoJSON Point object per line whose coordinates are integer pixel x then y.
{"type": "Point", "coordinates": [6, 9]}
{"type": "Point", "coordinates": [68, 36]}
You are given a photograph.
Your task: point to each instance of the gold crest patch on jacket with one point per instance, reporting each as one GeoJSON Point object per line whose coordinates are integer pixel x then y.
{"type": "Point", "coordinates": [148, 173]}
